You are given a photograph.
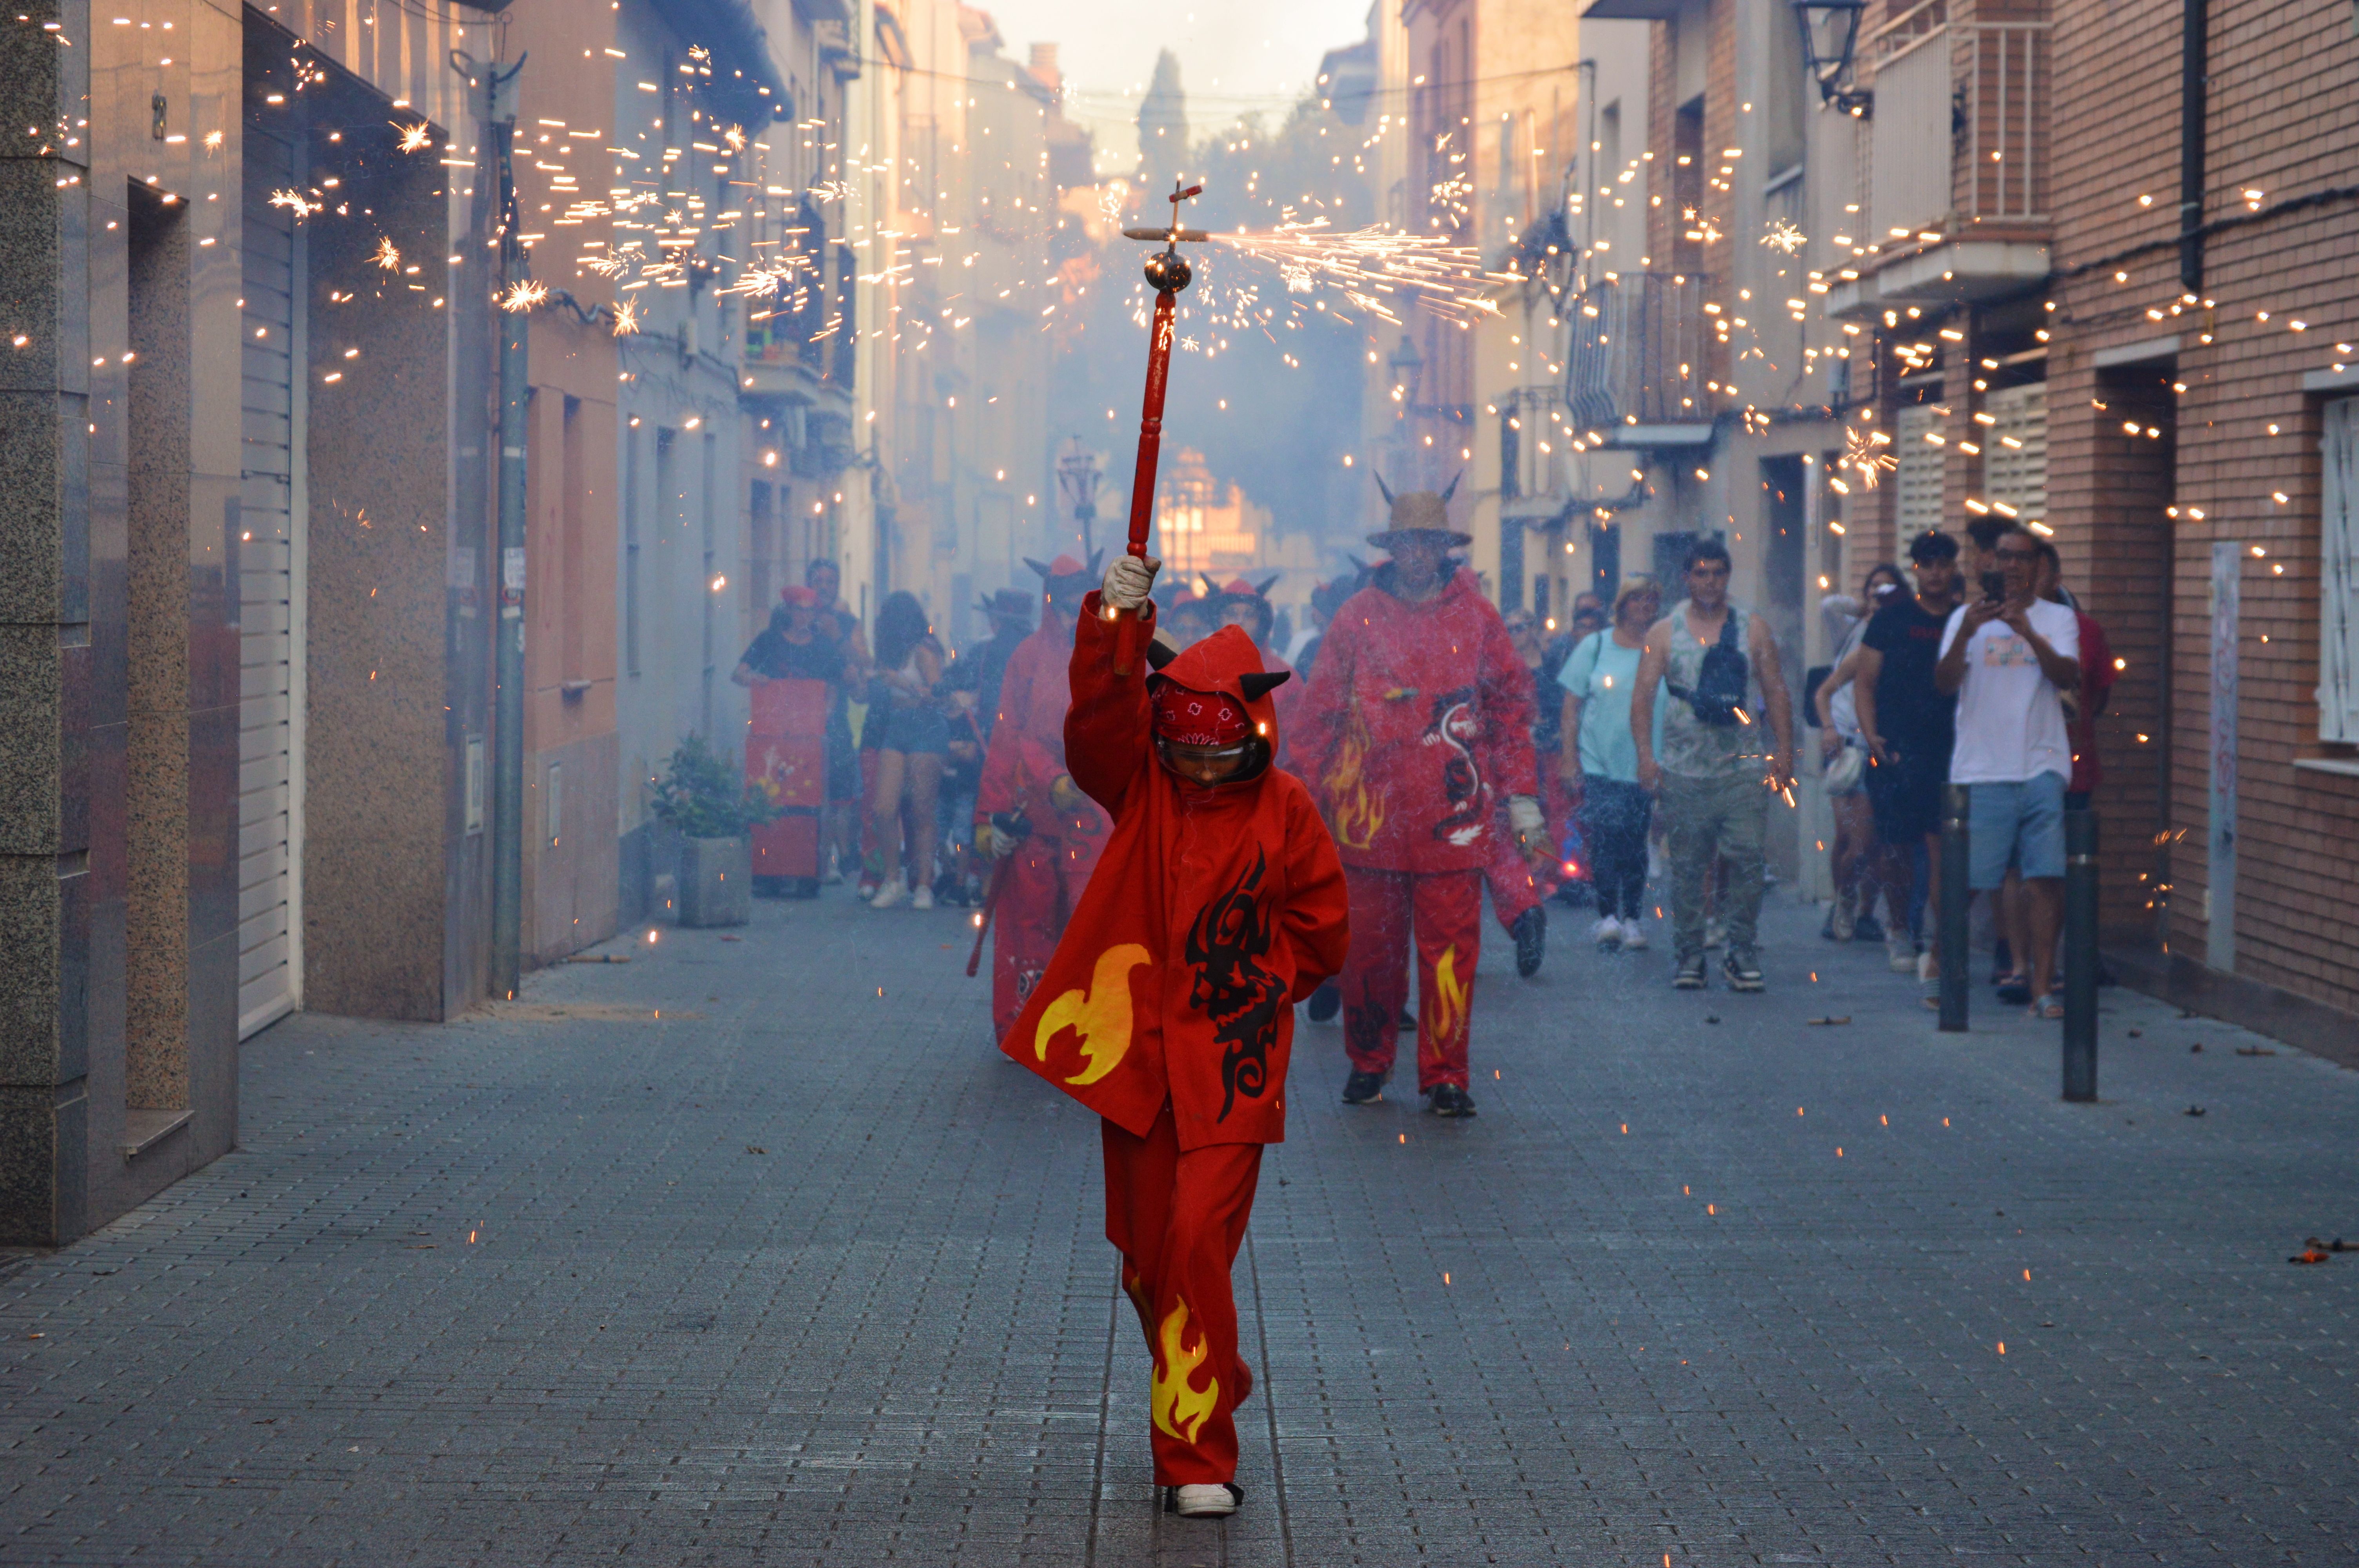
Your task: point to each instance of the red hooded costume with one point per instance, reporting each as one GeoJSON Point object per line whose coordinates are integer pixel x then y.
{"type": "Point", "coordinates": [1416, 728]}
{"type": "Point", "coordinates": [1169, 1009]}
{"type": "Point", "coordinates": [1041, 880]}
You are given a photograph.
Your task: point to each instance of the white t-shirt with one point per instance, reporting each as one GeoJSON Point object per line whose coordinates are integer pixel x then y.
{"type": "Point", "coordinates": [2010, 719]}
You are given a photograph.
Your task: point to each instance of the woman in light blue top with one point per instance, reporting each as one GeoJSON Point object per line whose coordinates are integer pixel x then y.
{"type": "Point", "coordinates": [1600, 761]}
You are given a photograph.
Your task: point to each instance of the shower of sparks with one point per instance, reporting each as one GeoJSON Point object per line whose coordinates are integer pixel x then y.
{"type": "Point", "coordinates": [1864, 454]}
{"type": "Point", "coordinates": [293, 201]}
{"type": "Point", "coordinates": [213, 141]}
{"type": "Point", "coordinates": [386, 255]}
{"type": "Point", "coordinates": [413, 137]}
{"type": "Point", "coordinates": [1376, 268]}
{"type": "Point", "coordinates": [523, 295]}
{"type": "Point", "coordinates": [1784, 236]}
{"type": "Point", "coordinates": [627, 317]}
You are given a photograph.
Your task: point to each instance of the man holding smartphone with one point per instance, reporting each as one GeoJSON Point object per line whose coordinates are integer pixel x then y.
{"type": "Point", "coordinates": [2009, 656]}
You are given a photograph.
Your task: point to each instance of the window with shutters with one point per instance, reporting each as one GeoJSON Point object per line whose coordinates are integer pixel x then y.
{"type": "Point", "coordinates": [2015, 452]}
{"type": "Point", "coordinates": [2338, 574]}
{"type": "Point", "coordinates": [1917, 480]}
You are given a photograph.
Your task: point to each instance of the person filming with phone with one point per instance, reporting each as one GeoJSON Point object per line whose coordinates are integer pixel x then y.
{"type": "Point", "coordinates": [2009, 656]}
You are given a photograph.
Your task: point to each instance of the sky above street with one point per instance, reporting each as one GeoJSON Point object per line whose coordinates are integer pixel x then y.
{"type": "Point", "coordinates": [1234, 55]}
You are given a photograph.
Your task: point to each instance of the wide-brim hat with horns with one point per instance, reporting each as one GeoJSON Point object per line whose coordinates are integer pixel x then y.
{"type": "Point", "coordinates": [1418, 511]}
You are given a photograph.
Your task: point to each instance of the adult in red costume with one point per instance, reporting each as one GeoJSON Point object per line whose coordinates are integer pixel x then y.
{"type": "Point", "coordinates": [1168, 1008]}
{"type": "Point", "coordinates": [1417, 722]}
{"type": "Point", "coordinates": [1030, 815]}
{"type": "Point", "coordinates": [1246, 604]}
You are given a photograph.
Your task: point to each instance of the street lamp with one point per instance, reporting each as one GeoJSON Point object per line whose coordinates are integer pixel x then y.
{"type": "Point", "coordinates": [1830, 46]}
{"type": "Point", "coordinates": [1077, 476]}
{"type": "Point", "coordinates": [1407, 366]}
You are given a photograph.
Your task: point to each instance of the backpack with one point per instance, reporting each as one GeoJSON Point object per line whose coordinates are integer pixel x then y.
{"type": "Point", "coordinates": [1719, 691]}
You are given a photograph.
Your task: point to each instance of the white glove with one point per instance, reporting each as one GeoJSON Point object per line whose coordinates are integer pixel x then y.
{"type": "Point", "coordinates": [1127, 579]}
{"type": "Point", "coordinates": [1524, 814]}
{"type": "Point", "coordinates": [998, 846]}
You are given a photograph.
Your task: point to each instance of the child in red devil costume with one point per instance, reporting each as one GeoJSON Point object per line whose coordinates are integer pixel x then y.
{"type": "Point", "coordinates": [1417, 722]}
{"type": "Point", "coordinates": [1030, 816]}
{"type": "Point", "coordinates": [1168, 1008]}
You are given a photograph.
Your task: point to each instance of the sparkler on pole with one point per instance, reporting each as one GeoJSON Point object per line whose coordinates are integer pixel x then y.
{"type": "Point", "coordinates": [1166, 273]}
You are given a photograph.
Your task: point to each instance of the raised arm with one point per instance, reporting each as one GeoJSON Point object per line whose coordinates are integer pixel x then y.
{"type": "Point", "coordinates": [1109, 727]}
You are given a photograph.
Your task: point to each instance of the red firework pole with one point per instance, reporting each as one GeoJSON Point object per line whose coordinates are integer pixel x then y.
{"type": "Point", "coordinates": [1166, 273]}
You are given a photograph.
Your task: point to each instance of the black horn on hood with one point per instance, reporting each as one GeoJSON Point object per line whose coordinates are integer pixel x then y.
{"type": "Point", "coordinates": [1045, 573]}
{"type": "Point", "coordinates": [1258, 684]}
{"type": "Point", "coordinates": [1382, 488]}
{"type": "Point", "coordinates": [1453, 487]}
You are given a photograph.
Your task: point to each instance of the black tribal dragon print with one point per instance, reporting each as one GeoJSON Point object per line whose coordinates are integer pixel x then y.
{"type": "Point", "coordinates": [1242, 998]}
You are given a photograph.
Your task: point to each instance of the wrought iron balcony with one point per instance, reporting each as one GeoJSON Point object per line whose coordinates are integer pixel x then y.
{"type": "Point", "coordinates": [1957, 203]}
{"type": "Point", "coordinates": [1637, 358]}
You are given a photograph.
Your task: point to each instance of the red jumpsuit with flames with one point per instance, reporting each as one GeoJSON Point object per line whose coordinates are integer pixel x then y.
{"type": "Point", "coordinates": [1417, 729]}
{"type": "Point", "coordinates": [1169, 1009]}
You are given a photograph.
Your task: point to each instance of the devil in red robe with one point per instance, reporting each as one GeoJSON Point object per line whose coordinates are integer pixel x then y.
{"type": "Point", "coordinates": [1168, 1008]}
{"type": "Point", "coordinates": [1029, 814]}
{"type": "Point", "coordinates": [1416, 728]}
{"type": "Point", "coordinates": [1246, 604]}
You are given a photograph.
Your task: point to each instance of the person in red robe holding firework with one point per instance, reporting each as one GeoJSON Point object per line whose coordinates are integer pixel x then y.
{"type": "Point", "coordinates": [1169, 1007]}
{"type": "Point", "coordinates": [1418, 721]}
{"type": "Point", "coordinates": [1030, 816]}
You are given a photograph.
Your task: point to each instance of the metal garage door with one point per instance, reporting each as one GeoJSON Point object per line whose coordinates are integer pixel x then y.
{"type": "Point", "coordinates": [271, 561]}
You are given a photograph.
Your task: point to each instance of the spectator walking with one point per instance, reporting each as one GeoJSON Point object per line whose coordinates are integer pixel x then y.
{"type": "Point", "coordinates": [2009, 656]}
{"type": "Point", "coordinates": [1906, 721]}
{"type": "Point", "coordinates": [907, 732]}
{"type": "Point", "coordinates": [1855, 859]}
{"type": "Point", "coordinates": [1598, 761]}
{"type": "Point", "coordinates": [1717, 666]}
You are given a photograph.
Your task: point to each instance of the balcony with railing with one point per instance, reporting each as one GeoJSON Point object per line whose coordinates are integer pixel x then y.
{"type": "Point", "coordinates": [1636, 364]}
{"type": "Point", "coordinates": [798, 332]}
{"type": "Point", "coordinates": [1957, 156]}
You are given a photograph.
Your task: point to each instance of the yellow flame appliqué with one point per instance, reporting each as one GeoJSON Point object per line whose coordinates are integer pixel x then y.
{"type": "Point", "coordinates": [1099, 1017]}
{"type": "Point", "coordinates": [1357, 815]}
{"type": "Point", "coordinates": [1446, 1011]}
{"type": "Point", "coordinates": [1180, 1408]}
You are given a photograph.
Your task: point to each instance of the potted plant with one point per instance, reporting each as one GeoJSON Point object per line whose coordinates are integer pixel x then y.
{"type": "Point", "coordinates": [705, 800]}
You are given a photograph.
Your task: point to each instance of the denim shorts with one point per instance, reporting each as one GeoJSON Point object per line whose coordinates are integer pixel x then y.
{"type": "Point", "coordinates": [2021, 824]}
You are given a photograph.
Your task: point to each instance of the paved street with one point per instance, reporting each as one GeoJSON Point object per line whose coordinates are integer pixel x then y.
{"type": "Point", "coordinates": [751, 1250]}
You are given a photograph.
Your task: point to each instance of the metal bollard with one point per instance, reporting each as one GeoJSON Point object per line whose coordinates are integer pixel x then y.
{"type": "Point", "coordinates": [2079, 955]}
{"type": "Point", "coordinates": [1956, 898]}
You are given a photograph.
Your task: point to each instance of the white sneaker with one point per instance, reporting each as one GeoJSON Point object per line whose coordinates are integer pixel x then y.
{"type": "Point", "coordinates": [1634, 936]}
{"type": "Point", "coordinates": [922, 899]}
{"type": "Point", "coordinates": [891, 894]}
{"type": "Point", "coordinates": [1606, 934]}
{"type": "Point", "coordinates": [1715, 934]}
{"type": "Point", "coordinates": [1215, 1500]}
{"type": "Point", "coordinates": [1900, 949]}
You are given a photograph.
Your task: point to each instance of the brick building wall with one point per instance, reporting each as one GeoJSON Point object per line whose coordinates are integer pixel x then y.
{"type": "Point", "coordinates": [2238, 460]}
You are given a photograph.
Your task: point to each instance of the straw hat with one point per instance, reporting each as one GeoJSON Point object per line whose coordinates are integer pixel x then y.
{"type": "Point", "coordinates": [1418, 511]}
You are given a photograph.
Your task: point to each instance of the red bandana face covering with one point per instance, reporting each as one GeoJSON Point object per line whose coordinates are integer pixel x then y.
{"type": "Point", "coordinates": [1199, 718]}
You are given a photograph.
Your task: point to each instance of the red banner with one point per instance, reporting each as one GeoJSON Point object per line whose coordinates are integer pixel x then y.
{"type": "Point", "coordinates": [785, 759]}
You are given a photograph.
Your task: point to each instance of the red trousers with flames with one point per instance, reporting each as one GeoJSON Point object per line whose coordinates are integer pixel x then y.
{"type": "Point", "coordinates": [1444, 910]}
{"type": "Point", "coordinates": [1178, 1217]}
